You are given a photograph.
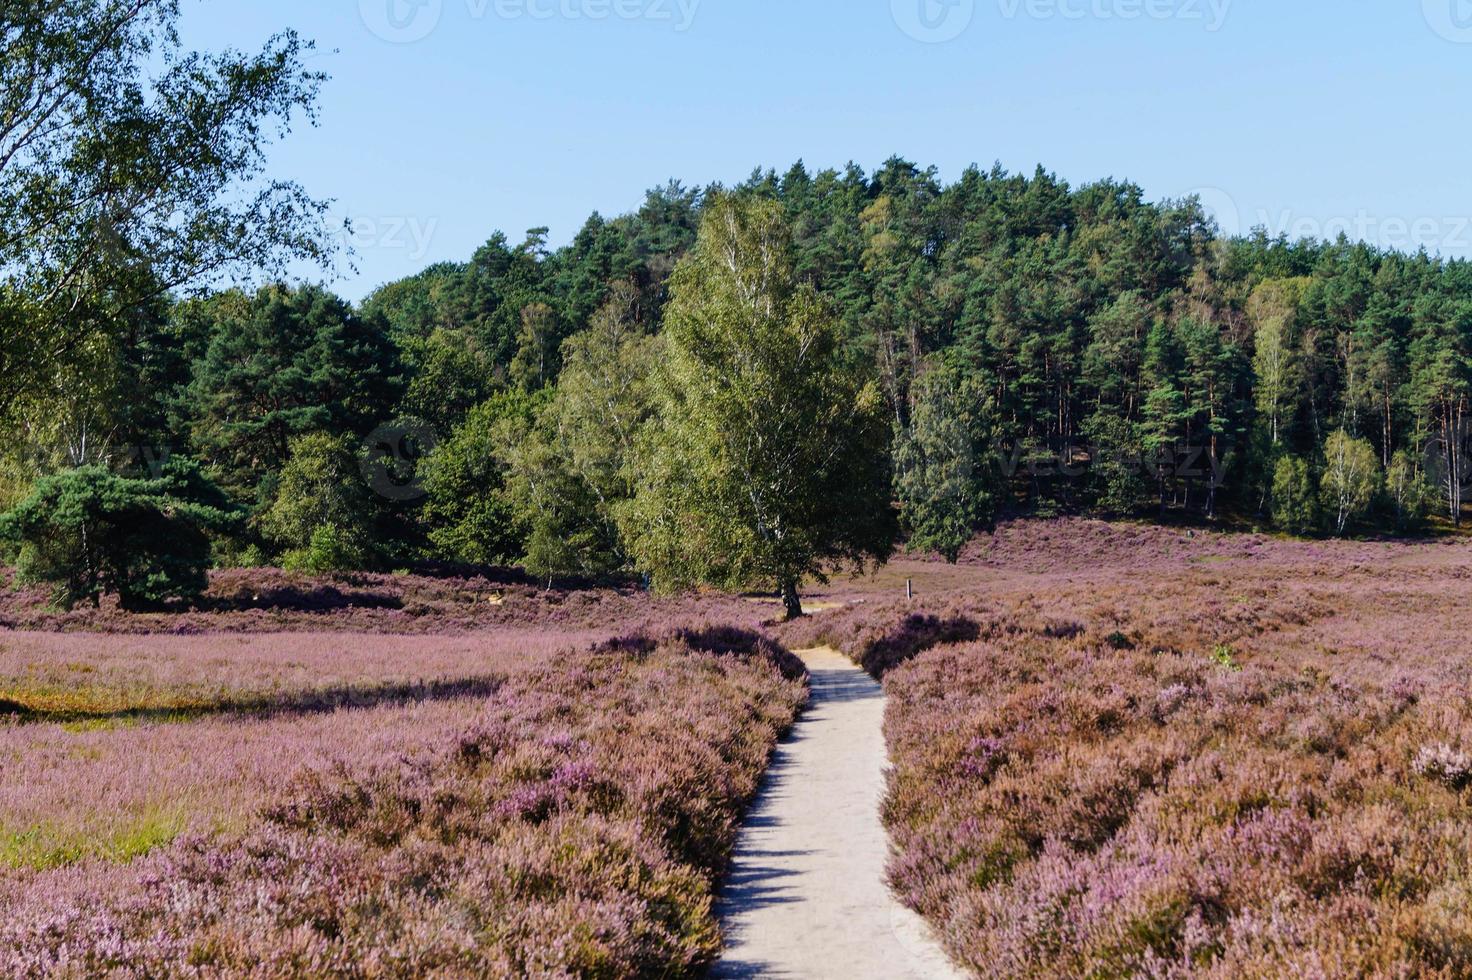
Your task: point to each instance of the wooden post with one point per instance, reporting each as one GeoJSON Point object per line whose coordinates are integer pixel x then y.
{"type": "Point", "coordinates": [910, 589]}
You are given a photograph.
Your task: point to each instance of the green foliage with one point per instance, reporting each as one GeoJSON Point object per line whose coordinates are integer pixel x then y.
{"type": "Point", "coordinates": [1083, 328]}
{"type": "Point", "coordinates": [1276, 361]}
{"type": "Point", "coordinates": [1350, 480]}
{"type": "Point", "coordinates": [536, 347]}
{"type": "Point", "coordinates": [133, 168]}
{"type": "Point", "coordinates": [944, 494]}
{"type": "Point", "coordinates": [768, 458]}
{"type": "Point", "coordinates": [564, 533]}
{"type": "Point", "coordinates": [283, 363]}
{"type": "Point", "coordinates": [448, 376]}
{"type": "Point", "coordinates": [1440, 364]}
{"type": "Point", "coordinates": [1225, 657]}
{"type": "Point", "coordinates": [1116, 468]}
{"type": "Point", "coordinates": [574, 469]}
{"type": "Point", "coordinates": [89, 531]}
{"type": "Point", "coordinates": [251, 557]}
{"type": "Point", "coordinates": [471, 517]}
{"type": "Point", "coordinates": [1410, 496]}
{"type": "Point", "coordinates": [330, 549]}
{"type": "Point", "coordinates": [1295, 505]}
{"type": "Point", "coordinates": [323, 511]}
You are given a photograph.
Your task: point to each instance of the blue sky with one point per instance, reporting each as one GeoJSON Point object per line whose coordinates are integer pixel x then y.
{"type": "Point", "coordinates": [449, 119]}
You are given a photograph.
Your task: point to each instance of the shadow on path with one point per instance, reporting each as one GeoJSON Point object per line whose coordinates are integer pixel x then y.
{"type": "Point", "coordinates": [806, 895]}
{"type": "Point", "coordinates": [321, 701]}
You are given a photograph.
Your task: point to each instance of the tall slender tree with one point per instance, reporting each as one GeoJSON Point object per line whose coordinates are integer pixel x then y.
{"type": "Point", "coordinates": [767, 462]}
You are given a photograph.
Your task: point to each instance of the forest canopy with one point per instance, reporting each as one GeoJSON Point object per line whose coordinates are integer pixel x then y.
{"type": "Point", "coordinates": [1030, 347]}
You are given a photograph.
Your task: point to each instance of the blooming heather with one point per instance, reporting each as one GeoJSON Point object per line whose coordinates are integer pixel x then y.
{"type": "Point", "coordinates": [1088, 788]}
{"type": "Point", "coordinates": [271, 601]}
{"type": "Point", "coordinates": [569, 822]}
{"type": "Point", "coordinates": [83, 677]}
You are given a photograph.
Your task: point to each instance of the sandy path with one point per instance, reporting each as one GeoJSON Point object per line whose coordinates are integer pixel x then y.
{"type": "Point", "coordinates": [806, 896]}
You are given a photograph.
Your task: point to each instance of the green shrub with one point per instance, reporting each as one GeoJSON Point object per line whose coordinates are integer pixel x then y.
{"type": "Point", "coordinates": [470, 516]}
{"type": "Point", "coordinates": [1351, 479]}
{"type": "Point", "coordinates": [331, 549]}
{"type": "Point", "coordinates": [943, 498]}
{"type": "Point", "coordinates": [322, 511]}
{"type": "Point", "coordinates": [1407, 491]}
{"type": "Point", "coordinates": [1295, 505]}
{"type": "Point", "coordinates": [89, 532]}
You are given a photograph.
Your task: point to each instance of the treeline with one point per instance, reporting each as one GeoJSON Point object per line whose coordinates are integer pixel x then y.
{"type": "Point", "coordinates": [1031, 347]}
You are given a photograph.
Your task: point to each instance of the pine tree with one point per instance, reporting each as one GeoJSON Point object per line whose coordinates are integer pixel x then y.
{"type": "Point", "coordinates": [944, 493]}
{"type": "Point", "coordinates": [89, 532]}
{"type": "Point", "coordinates": [280, 364]}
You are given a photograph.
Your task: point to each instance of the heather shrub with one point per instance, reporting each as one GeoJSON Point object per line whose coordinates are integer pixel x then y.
{"type": "Point", "coordinates": [914, 635]}
{"type": "Point", "coordinates": [263, 600]}
{"type": "Point", "coordinates": [880, 639]}
{"type": "Point", "coordinates": [1184, 754]}
{"type": "Point", "coordinates": [1445, 765]}
{"type": "Point", "coordinates": [727, 640]}
{"type": "Point", "coordinates": [572, 824]}
{"type": "Point", "coordinates": [1066, 808]}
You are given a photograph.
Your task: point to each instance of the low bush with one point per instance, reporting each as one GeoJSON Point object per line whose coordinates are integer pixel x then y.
{"type": "Point", "coordinates": [1065, 808]}
{"type": "Point", "coordinates": [330, 549]}
{"type": "Point", "coordinates": [880, 639]}
{"type": "Point", "coordinates": [573, 827]}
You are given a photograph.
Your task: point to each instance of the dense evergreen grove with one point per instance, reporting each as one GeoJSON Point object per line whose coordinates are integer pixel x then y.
{"type": "Point", "coordinates": [999, 344]}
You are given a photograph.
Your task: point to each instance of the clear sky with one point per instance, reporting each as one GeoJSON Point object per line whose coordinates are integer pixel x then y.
{"type": "Point", "coordinates": [446, 120]}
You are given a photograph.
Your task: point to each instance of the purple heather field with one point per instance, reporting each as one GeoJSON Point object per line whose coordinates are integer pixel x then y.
{"type": "Point", "coordinates": [1137, 751]}
{"type": "Point", "coordinates": [1118, 750]}
{"type": "Point", "coordinates": [377, 777]}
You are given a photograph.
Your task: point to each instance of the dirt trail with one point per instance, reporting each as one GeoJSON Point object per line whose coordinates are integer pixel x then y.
{"type": "Point", "coordinates": [806, 896]}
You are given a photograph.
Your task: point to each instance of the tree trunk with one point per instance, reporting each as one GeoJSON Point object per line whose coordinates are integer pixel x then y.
{"type": "Point", "coordinates": [791, 600]}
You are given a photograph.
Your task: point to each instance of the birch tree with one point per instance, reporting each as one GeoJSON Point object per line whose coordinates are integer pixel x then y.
{"type": "Point", "coordinates": [1351, 478]}
{"type": "Point", "coordinates": [767, 460]}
